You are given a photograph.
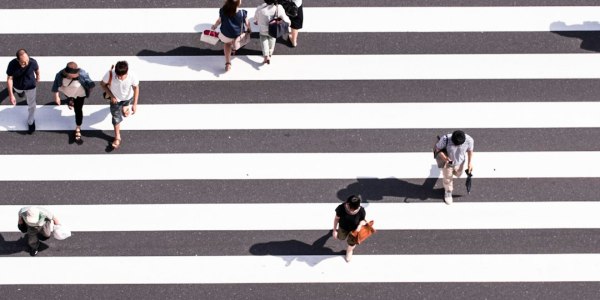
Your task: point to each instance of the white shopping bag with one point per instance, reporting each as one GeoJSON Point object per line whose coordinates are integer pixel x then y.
{"type": "Point", "coordinates": [60, 232]}
{"type": "Point", "coordinates": [210, 37]}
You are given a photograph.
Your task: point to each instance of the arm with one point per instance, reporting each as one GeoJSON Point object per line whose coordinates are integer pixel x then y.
{"type": "Point", "coordinates": [9, 87]}
{"type": "Point", "coordinates": [37, 75]}
{"type": "Point", "coordinates": [217, 23]}
{"type": "Point", "coordinates": [469, 159]}
{"type": "Point", "coordinates": [136, 95]}
{"type": "Point", "coordinates": [336, 221]}
{"type": "Point", "coordinates": [57, 98]}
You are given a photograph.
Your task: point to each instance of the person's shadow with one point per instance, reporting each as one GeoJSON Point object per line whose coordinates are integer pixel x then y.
{"type": "Point", "coordinates": [375, 189]}
{"type": "Point", "coordinates": [202, 60]}
{"type": "Point", "coordinates": [588, 33]}
{"type": "Point", "coordinates": [294, 250]}
{"type": "Point", "coordinates": [17, 246]}
{"type": "Point", "coordinates": [54, 117]}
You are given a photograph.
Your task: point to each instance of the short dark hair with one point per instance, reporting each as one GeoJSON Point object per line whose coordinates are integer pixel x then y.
{"type": "Point", "coordinates": [353, 201]}
{"type": "Point", "coordinates": [20, 52]}
{"type": "Point", "coordinates": [270, 1]}
{"type": "Point", "coordinates": [458, 137]}
{"type": "Point", "coordinates": [121, 68]}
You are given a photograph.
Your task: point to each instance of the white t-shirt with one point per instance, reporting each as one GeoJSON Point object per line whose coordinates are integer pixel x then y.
{"type": "Point", "coordinates": [72, 88]}
{"type": "Point", "coordinates": [122, 89]}
{"type": "Point", "coordinates": [457, 154]}
{"type": "Point", "coordinates": [265, 13]}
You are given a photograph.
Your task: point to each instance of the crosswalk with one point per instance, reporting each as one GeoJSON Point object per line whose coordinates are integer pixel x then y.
{"type": "Point", "coordinates": [226, 183]}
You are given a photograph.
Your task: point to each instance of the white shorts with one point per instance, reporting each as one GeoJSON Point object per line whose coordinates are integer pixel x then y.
{"type": "Point", "coordinates": [225, 39]}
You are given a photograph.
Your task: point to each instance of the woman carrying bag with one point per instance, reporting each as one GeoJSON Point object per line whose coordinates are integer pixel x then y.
{"type": "Point", "coordinates": [349, 216]}
{"type": "Point", "coordinates": [263, 16]}
{"type": "Point", "coordinates": [231, 19]}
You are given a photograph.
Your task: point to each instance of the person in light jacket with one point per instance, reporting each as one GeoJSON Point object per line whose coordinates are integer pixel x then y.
{"type": "Point", "coordinates": [76, 85]}
{"type": "Point", "coordinates": [264, 14]}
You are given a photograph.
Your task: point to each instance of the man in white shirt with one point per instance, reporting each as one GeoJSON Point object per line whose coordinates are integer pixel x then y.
{"type": "Point", "coordinates": [459, 148]}
{"type": "Point", "coordinates": [122, 87]}
{"type": "Point", "coordinates": [38, 224]}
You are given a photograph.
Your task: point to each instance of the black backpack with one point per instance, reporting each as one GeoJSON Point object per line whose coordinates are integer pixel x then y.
{"type": "Point", "coordinates": [290, 8]}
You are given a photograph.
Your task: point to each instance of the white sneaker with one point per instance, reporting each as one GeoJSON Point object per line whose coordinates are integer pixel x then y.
{"type": "Point", "coordinates": [448, 197]}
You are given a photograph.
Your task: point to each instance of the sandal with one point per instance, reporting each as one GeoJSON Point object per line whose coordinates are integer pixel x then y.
{"type": "Point", "coordinates": [78, 136]}
{"type": "Point", "coordinates": [116, 144]}
{"type": "Point", "coordinates": [227, 67]}
{"type": "Point", "coordinates": [71, 104]}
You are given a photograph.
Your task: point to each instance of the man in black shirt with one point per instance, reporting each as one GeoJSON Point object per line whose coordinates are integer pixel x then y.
{"type": "Point", "coordinates": [23, 75]}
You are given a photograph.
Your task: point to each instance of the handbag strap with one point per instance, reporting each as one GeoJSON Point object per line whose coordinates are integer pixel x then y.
{"type": "Point", "coordinates": [244, 15]}
{"type": "Point", "coordinates": [110, 75]}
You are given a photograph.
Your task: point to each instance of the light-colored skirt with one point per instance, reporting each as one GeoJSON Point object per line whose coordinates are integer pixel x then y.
{"type": "Point", "coordinates": [225, 39]}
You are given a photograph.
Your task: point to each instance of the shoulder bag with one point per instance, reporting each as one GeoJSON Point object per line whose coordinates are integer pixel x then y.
{"type": "Point", "coordinates": [440, 162]}
{"type": "Point", "coordinates": [244, 38]}
{"type": "Point", "coordinates": [277, 27]}
{"type": "Point", "coordinates": [365, 231]}
{"type": "Point", "coordinates": [110, 76]}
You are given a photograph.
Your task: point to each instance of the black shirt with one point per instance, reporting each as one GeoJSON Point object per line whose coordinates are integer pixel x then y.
{"type": "Point", "coordinates": [23, 78]}
{"type": "Point", "coordinates": [349, 222]}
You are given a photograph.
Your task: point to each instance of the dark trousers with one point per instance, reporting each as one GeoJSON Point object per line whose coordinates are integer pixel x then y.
{"type": "Point", "coordinates": [78, 105]}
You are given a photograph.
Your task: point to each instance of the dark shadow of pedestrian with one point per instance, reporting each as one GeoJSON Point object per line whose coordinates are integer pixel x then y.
{"type": "Point", "coordinates": [588, 33]}
{"type": "Point", "coordinates": [291, 250]}
{"type": "Point", "coordinates": [375, 189]}
{"type": "Point", "coordinates": [17, 246]}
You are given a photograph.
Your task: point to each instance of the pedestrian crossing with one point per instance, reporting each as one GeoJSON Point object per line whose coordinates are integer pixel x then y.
{"type": "Point", "coordinates": [226, 183]}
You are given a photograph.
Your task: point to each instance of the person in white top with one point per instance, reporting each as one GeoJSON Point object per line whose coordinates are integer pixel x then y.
{"type": "Point", "coordinates": [76, 85]}
{"type": "Point", "coordinates": [122, 87]}
{"type": "Point", "coordinates": [264, 14]}
{"type": "Point", "coordinates": [454, 149]}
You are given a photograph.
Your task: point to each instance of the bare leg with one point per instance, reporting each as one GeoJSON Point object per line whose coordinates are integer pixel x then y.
{"type": "Point", "coordinates": [227, 50]}
{"type": "Point", "coordinates": [349, 252]}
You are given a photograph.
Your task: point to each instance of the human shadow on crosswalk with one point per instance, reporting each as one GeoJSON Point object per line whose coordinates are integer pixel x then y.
{"type": "Point", "coordinates": [587, 32]}
{"type": "Point", "coordinates": [376, 189]}
{"type": "Point", "coordinates": [198, 63]}
{"type": "Point", "coordinates": [295, 250]}
{"type": "Point", "coordinates": [17, 246]}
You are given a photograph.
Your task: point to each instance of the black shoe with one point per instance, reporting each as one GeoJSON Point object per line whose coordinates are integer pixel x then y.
{"type": "Point", "coordinates": [33, 252]}
{"type": "Point", "coordinates": [31, 128]}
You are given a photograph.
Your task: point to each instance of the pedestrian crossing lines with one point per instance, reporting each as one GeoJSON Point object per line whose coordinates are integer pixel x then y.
{"type": "Point", "coordinates": [226, 183]}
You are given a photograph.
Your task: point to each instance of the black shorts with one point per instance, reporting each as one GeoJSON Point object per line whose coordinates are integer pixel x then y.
{"type": "Point", "coordinates": [298, 20]}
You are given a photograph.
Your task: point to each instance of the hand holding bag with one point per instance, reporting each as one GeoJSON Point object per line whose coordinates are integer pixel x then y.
{"type": "Point", "coordinates": [60, 233]}
{"type": "Point", "coordinates": [365, 231]}
{"type": "Point", "coordinates": [277, 27]}
{"type": "Point", "coordinates": [210, 37]}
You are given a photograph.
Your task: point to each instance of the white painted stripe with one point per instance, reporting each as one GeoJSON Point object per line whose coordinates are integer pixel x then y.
{"type": "Point", "coordinates": [314, 116]}
{"type": "Point", "coordinates": [301, 269]}
{"type": "Point", "coordinates": [231, 166]}
{"type": "Point", "coordinates": [317, 216]}
{"type": "Point", "coordinates": [338, 67]}
{"type": "Point", "coordinates": [317, 19]}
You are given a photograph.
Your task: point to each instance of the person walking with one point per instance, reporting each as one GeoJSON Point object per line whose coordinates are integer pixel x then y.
{"type": "Point", "coordinates": [231, 19]}
{"type": "Point", "coordinates": [264, 14]}
{"type": "Point", "coordinates": [297, 23]}
{"type": "Point", "coordinates": [349, 216]}
{"type": "Point", "coordinates": [37, 223]}
{"type": "Point", "coordinates": [458, 148]}
{"type": "Point", "coordinates": [23, 74]}
{"type": "Point", "coordinates": [76, 85]}
{"type": "Point", "coordinates": [123, 87]}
